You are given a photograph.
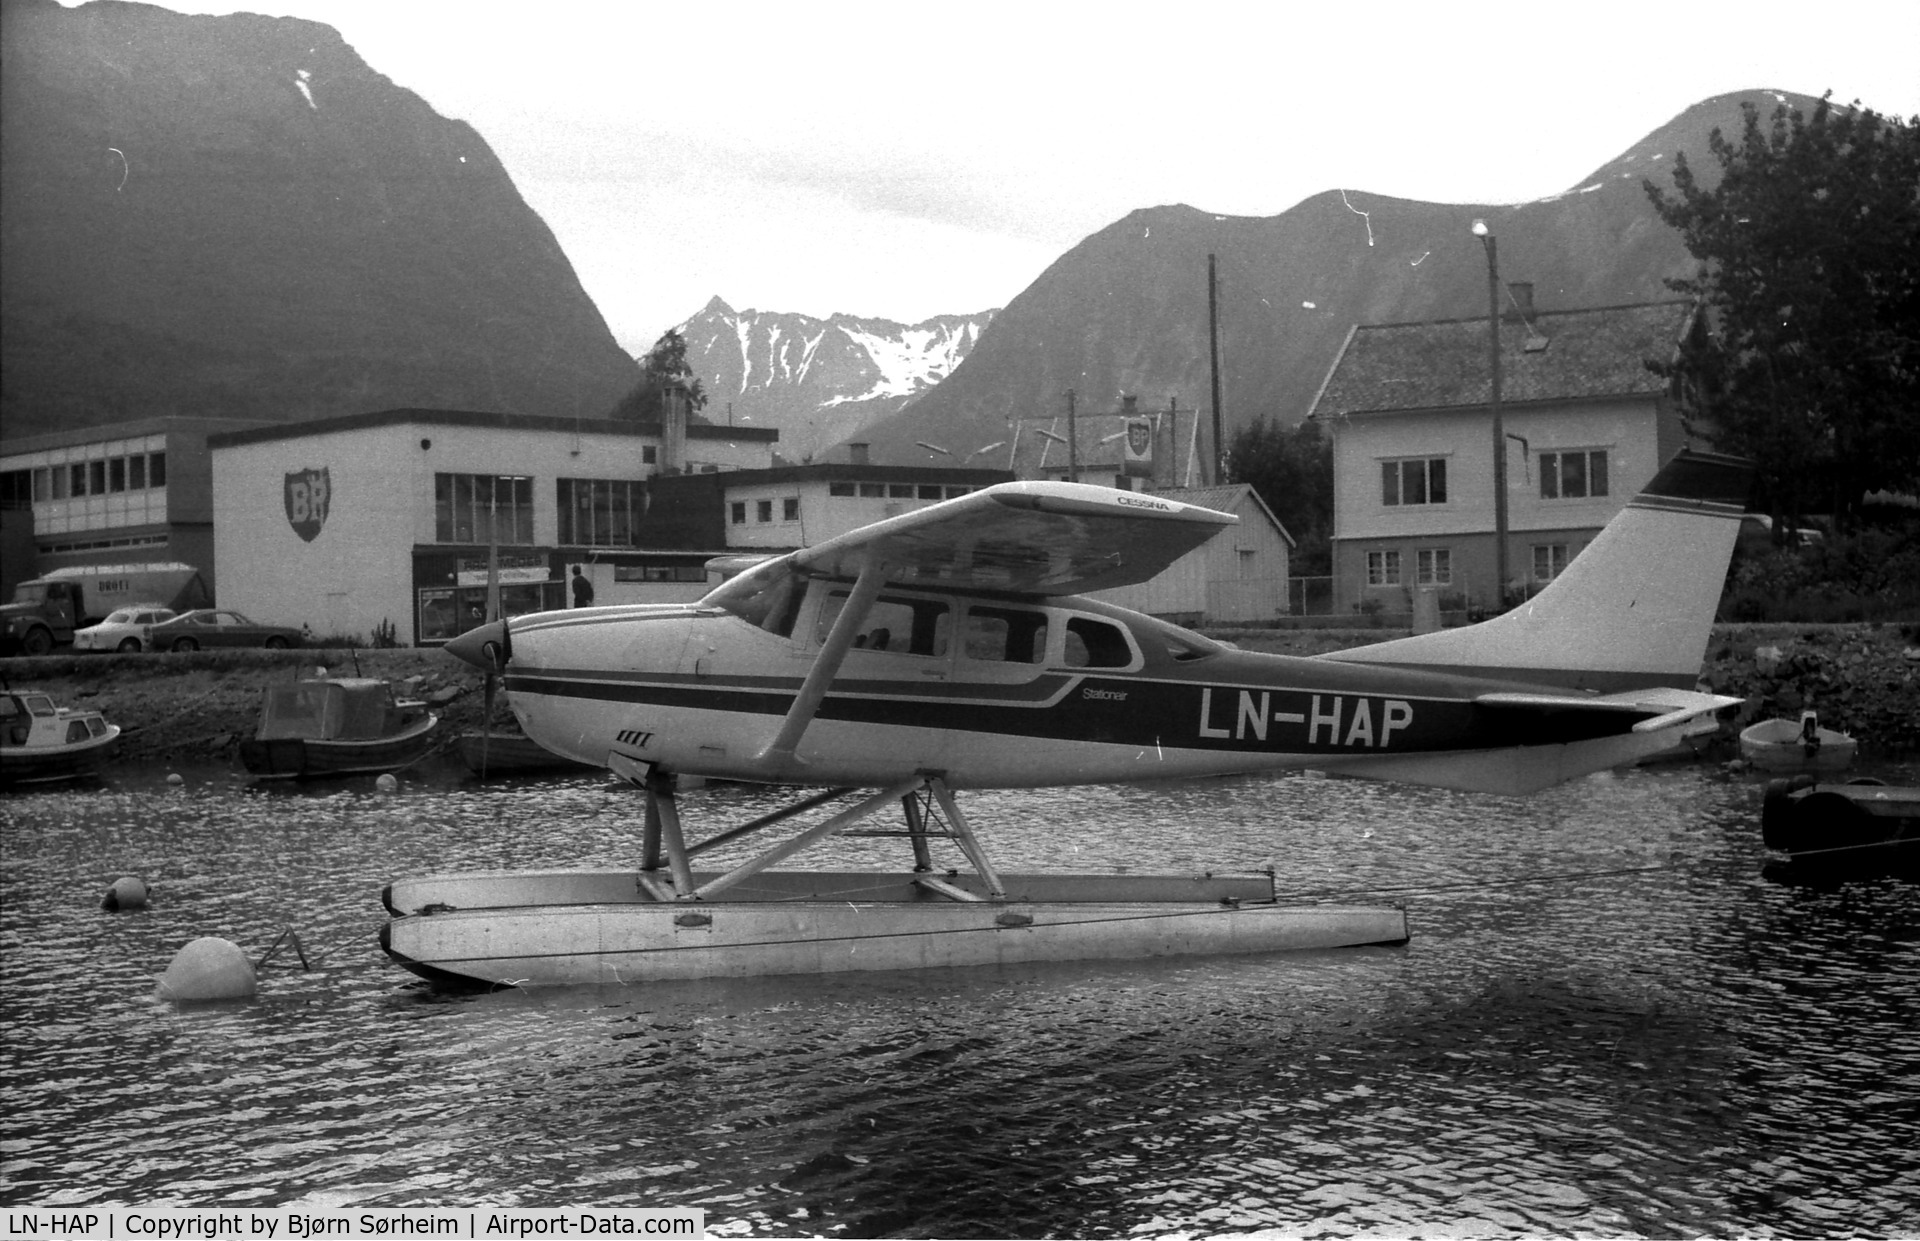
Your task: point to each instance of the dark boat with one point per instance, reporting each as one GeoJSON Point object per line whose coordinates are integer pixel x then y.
{"type": "Point", "coordinates": [502, 752]}
{"type": "Point", "coordinates": [41, 742]}
{"type": "Point", "coordinates": [1863, 826]}
{"type": "Point", "coordinates": [337, 726]}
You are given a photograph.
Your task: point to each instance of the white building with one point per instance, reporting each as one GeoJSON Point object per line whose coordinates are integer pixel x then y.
{"type": "Point", "coordinates": [1409, 405]}
{"type": "Point", "coordinates": [381, 522]}
{"type": "Point", "coordinates": [1239, 576]}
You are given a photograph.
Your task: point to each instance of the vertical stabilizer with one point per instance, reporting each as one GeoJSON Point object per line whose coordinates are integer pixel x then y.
{"type": "Point", "coordinates": [1634, 609]}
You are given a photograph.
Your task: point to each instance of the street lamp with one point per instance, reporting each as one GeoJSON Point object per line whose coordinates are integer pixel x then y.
{"type": "Point", "coordinates": [1485, 235]}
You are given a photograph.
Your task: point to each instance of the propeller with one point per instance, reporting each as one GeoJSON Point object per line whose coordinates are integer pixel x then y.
{"type": "Point", "coordinates": [489, 648]}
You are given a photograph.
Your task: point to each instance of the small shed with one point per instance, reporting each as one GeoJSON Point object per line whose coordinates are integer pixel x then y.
{"type": "Point", "coordinates": [1237, 577]}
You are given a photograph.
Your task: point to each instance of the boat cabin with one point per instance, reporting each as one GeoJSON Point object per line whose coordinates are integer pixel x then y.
{"type": "Point", "coordinates": [33, 720]}
{"type": "Point", "coordinates": [336, 709]}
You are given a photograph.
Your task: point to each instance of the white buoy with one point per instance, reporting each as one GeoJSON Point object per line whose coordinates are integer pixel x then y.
{"type": "Point", "coordinates": [209, 968]}
{"type": "Point", "coordinates": [127, 892]}
{"type": "Point", "coordinates": [386, 783]}
{"type": "Point", "coordinates": [176, 779]}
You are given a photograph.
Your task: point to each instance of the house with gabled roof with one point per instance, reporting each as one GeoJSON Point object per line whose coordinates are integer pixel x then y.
{"type": "Point", "coordinates": [1237, 577]}
{"type": "Point", "coordinates": [1409, 407]}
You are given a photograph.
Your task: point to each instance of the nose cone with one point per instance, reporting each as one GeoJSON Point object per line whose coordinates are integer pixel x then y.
{"type": "Point", "coordinates": [484, 646]}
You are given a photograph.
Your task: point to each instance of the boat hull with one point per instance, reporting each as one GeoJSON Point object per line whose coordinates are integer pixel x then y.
{"type": "Point", "coordinates": [21, 765]}
{"type": "Point", "coordinates": [1863, 826]}
{"type": "Point", "coordinates": [595, 928]}
{"type": "Point", "coordinates": [291, 758]}
{"type": "Point", "coordinates": [1776, 745]}
{"type": "Point", "coordinates": [512, 754]}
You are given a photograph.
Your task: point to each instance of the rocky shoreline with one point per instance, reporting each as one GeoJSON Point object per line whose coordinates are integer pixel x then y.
{"type": "Point", "coordinates": [1862, 679]}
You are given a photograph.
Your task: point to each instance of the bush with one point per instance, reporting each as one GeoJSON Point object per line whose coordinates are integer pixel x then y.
{"type": "Point", "coordinates": [1872, 575]}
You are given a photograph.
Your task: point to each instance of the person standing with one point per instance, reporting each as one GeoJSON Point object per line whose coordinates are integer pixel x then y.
{"type": "Point", "coordinates": [582, 589]}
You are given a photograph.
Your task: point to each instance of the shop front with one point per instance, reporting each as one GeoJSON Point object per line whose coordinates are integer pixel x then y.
{"type": "Point", "coordinates": [450, 588]}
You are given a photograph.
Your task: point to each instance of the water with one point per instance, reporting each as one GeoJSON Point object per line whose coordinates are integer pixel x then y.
{"type": "Point", "coordinates": [1660, 1042]}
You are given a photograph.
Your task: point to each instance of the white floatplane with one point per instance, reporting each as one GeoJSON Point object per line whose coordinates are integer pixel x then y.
{"type": "Point", "coordinates": [950, 649]}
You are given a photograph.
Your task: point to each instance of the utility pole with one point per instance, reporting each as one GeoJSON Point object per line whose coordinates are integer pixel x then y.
{"type": "Point", "coordinates": [1213, 345]}
{"type": "Point", "coordinates": [1485, 235]}
{"type": "Point", "coordinates": [1073, 448]}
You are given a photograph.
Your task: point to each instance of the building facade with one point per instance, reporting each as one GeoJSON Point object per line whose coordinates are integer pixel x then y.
{"type": "Point", "coordinates": [1409, 406]}
{"type": "Point", "coordinates": [133, 493]}
{"type": "Point", "coordinates": [1238, 577]}
{"type": "Point", "coordinates": [390, 523]}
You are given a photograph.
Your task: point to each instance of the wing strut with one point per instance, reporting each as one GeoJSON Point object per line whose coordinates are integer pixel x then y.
{"type": "Point", "coordinates": [779, 754]}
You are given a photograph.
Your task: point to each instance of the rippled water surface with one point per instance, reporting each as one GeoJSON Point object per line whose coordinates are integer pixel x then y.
{"type": "Point", "coordinates": [1608, 1023]}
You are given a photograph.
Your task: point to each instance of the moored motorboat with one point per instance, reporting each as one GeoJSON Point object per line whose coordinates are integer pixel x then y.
{"type": "Point", "coordinates": [42, 742]}
{"type": "Point", "coordinates": [505, 752]}
{"type": "Point", "coordinates": [1796, 745]}
{"type": "Point", "coordinates": [1859, 826]}
{"type": "Point", "coordinates": [336, 726]}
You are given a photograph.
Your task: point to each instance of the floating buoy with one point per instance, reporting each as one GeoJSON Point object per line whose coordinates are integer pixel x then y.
{"type": "Point", "coordinates": [386, 783]}
{"type": "Point", "coordinates": [176, 779]}
{"type": "Point", "coordinates": [209, 968]}
{"type": "Point", "coordinates": [126, 893]}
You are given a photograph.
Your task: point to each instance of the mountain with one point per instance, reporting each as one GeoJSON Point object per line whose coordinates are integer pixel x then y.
{"type": "Point", "coordinates": [236, 216]}
{"type": "Point", "coordinates": [819, 380]}
{"type": "Point", "coordinates": [1125, 312]}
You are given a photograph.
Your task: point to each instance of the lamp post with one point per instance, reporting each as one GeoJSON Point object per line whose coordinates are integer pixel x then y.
{"type": "Point", "coordinates": [1485, 235]}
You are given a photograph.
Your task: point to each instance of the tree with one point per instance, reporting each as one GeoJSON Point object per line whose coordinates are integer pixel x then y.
{"type": "Point", "coordinates": [665, 367]}
{"type": "Point", "coordinates": [1808, 357]}
{"type": "Point", "coordinates": [1292, 471]}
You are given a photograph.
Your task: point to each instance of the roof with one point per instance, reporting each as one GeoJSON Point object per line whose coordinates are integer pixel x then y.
{"type": "Point", "coordinates": [1227, 498]}
{"type": "Point", "coordinates": [490, 420]}
{"type": "Point", "coordinates": [1443, 364]}
{"type": "Point", "coordinates": [839, 472]}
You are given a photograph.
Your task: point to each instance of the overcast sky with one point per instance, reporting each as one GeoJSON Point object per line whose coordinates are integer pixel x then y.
{"type": "Point", "coordinates": [899, 160]}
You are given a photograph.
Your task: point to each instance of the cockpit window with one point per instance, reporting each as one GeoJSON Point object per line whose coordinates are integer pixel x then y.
{"type": "Point", "coordinates": [766, 597]}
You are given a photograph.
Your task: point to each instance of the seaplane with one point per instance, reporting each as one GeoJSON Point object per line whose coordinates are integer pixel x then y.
{"type": "Point", "coordinates": [954, 648]}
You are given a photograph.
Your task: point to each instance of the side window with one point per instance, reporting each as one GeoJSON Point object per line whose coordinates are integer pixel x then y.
{"type": "Point", "coordinates": [1010, 635]}
{"type": "Point", "coordinates": [1096, 644]}
{"type": "Point", "coordinates": [897, 625]}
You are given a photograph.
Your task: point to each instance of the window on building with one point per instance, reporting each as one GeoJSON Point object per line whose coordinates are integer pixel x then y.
{"type": "Point", "coordinates": [1416, 480]}
{"type": "Point", "coordinates": [1573, 475]}
{"type": "Point", "coordinates": [737, 512]}
{"type": "Point", "coordinates": [156, 469]}
{"type": "Point", "coordinates": [117, 474]}
{"type": "Point", "coordinates": [1383, 568]}
{"type": "Point", "coordinates": [763, 510]}
{"type": "Point", "coordinates": [929, 491]}
{"type": "Point", "coordinates": [60, 483]}
{"type": "Point", "coordinates": [599, 512]}
{"type": "Point", "coordinates": [1433, 566]}
{"type": "Point", "coordinates": [900, 491]}
{"type": "Point", "coordinates": [1549, 561]}
{"type": "Point", "coordinates": [16, 489]}
{"type": "Point", "coordinates": [790, 508]}
{"type": "Point", "coordinates": [874, 491]}
{"type": "Point", "coordinates": [96, 478]}
{"type": "Point", "coordinates": [840, 489]}
{"type": "Point", "coordinates": [137, 472]}
{"type": "Point", "coordinates": [649, 455]}
{"type": "Point", "coordinates": [478, 508]}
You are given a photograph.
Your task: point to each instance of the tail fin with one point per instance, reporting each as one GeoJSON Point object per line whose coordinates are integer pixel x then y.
{"type": "Point", "coordinates": [1634, 609]}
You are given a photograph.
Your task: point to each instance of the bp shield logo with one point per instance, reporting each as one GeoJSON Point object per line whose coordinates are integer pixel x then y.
{"type": "Point", "coordinates": [309, 492]}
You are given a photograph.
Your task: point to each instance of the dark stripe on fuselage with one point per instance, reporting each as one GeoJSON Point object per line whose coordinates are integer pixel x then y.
{"type": "Point", "coordinates": [1123, 711]}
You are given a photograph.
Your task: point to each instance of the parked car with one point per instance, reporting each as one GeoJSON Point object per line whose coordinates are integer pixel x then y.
{"type": "Point", "coordinates": [125, 629]}
{"type": "Point", "coordinates": [212, 627]}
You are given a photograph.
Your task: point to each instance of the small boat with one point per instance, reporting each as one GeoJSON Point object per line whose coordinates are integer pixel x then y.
{"type": "Point", "coordinates": [337, 726]}
{"type": "Point", "coordinates": [504, 752]}
{"type": "Point", "coordinates": [41, 742]}
{"type": "Point", "coordinates": [1787, 745]}
{"type": "Point", "coordinates": [1861, 826]}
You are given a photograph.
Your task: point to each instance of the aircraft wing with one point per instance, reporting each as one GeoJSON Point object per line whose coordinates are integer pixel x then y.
{"type": "Point", "coordinates": [1662, 707]}
{"type": "Point", "coordinates": [1027, 538]}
